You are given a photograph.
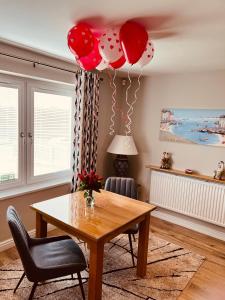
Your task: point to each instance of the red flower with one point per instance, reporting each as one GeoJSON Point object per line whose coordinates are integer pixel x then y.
{"type": "Point", "coordinates": [90, 181]}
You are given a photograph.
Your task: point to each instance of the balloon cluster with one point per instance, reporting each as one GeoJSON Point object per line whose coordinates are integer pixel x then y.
{"type": "Point", "coordinates": [112, 48]}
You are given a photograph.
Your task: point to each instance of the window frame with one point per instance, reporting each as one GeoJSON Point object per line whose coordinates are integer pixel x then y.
{"type": "Point", "coordinates": [56, 89]}
{"type": "Point", "coordinates": [14, 82]}
{"type": "Point", "coordinates": [26, 181]}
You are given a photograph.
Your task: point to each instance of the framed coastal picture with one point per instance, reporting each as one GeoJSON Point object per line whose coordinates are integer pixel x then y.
{"type": "Point", "coordinates": [193, 126]}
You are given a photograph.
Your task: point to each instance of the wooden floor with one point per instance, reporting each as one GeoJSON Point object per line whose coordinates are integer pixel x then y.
{"type": "Point", "coordinates": [207, 284]}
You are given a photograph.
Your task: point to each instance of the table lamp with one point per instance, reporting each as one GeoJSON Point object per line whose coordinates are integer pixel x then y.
{"type": "Point", "coordinates": [122, 145]}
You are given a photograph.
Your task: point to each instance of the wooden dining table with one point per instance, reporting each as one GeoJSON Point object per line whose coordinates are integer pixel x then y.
{"type": "Point", "coordinates": [111, 215]}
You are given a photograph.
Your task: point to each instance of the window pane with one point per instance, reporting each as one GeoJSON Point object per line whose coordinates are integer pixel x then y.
{"type": "Point", "coordinates": [52, 133]}
{"type": "Point", "coordinates": [8, 134]}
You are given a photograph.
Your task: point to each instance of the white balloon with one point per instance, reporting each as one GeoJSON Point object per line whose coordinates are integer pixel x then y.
{"type": "Point", "coordinates": [109, 45]}
{"type": "Point", "coordinates": [147, 55]}
{"type": "Point", "coordinates": [102, 65]}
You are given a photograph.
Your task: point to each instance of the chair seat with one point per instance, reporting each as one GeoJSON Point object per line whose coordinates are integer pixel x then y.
{"type": "Point", "coordinates": [132, 230]}
{"type": "Point", "coordinates": [58, 258]}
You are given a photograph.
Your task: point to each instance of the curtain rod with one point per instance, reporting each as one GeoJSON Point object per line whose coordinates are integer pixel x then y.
{"type": "Point", "coordinates": [40, 63]}
{"type": "Point", "coordinates": [37, 62]}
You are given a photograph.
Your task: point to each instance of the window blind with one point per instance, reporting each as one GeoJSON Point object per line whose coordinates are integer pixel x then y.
{"type": "Point", "coordinates": [9, 134]}
{"type": "Point", "coordinates": [52, 133]}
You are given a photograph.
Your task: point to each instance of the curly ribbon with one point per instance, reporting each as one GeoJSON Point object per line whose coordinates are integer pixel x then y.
{"type": "Point", "coordinates": [113, 86]}
{"type": "Point", "coordinates": [128, 129]}
{"type": "Point", "coordinates": [131, 105]}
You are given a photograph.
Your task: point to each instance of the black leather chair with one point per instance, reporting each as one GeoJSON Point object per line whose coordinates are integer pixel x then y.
{"type": "Point", "coordinates": [126, 187]}
{"type": "Point", "coordinates": [45, 258]}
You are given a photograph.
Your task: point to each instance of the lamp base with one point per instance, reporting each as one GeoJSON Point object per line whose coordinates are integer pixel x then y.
{"type": "Point", "coordinates": [121, 165]}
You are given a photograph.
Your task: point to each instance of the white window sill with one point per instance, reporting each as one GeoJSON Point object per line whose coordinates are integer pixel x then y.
{"type": "Point", "coordinates": [30, 188]}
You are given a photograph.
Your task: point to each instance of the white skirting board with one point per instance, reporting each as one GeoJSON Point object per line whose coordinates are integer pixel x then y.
{"type": "Point", "coordinates": [7, 244]}
{"type": "Point", "coordinates": [191, 223]}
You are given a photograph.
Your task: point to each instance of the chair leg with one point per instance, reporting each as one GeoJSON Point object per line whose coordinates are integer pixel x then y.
{"type": "Point", "coordinates": [33, 290]}
{"type": "Point", "coordinates": [131, 249]}
{"type": "Point", "coordinates": [81, 285]}
{"type": "Point", "coordinates": [134, 237]}
{"type": "Point", "coordinates": [18, 284]}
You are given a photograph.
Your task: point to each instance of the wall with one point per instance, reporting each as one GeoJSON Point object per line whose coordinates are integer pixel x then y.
{"type": "Point", "coordinates": [193, 90]}
{"type": "Point", "coordinates": [196, 90]}
{"type": "Point", "coordinates": [12, 66]}
{"type": "Point", "coordinates": [21, 203]}
{"type": "Point", "coordinates": [104, 159]}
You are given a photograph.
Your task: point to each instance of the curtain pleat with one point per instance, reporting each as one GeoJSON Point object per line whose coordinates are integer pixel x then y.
{"type": "Point", "coordinates": [86, 123]}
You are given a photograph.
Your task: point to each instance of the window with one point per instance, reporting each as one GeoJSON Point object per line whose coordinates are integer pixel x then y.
{"type": "Point", "coordinates": [52, 133]}
{"type": "Point", "coordinates": [9, 128]}
{"type": "Point", "coordinates": [36, 132]}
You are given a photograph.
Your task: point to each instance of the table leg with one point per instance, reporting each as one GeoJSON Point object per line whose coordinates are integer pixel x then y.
{"type": "Point", "coordinates": [41, 226]}
{"type": "Point", "coordinates": [95, 270]}
{"type": "Point", "coordinates": [143, 246]}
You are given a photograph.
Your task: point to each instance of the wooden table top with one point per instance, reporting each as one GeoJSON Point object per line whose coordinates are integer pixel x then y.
{"type": "Point", "coordinates": [111, 212]}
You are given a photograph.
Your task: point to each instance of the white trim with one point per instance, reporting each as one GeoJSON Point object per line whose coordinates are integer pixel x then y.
{"type": "Point", "coordinates": [32, 77]}
{"type": "Point", "coordinates": [191, 223]}
{"type": "Point", "coordinates": [7, 244]}
{"type": "Point", "coordinates": [30, 188]}
{"type": "Point", "coordinates": [13, 82]}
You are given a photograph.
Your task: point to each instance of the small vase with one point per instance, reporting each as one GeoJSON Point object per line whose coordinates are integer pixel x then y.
{"type": "Point", "coordinates": [90, 200]}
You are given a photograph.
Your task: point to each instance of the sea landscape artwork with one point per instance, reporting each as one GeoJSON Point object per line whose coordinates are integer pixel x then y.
{"type": "Point", "coordinates": [193, 126]}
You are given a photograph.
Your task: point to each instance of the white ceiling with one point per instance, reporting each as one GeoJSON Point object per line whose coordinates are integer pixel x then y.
{"type": "Point", "coordinates": [189, 35]}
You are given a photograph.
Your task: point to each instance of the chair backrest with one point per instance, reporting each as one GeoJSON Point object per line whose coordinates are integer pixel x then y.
{"type": "Point", "coordinates": [21, 239]}
{"type": "Point", "coordinates": [122, 185]}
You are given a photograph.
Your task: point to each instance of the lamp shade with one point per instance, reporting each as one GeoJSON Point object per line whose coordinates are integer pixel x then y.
{"type": "Point", "coordinates": [123, 145]}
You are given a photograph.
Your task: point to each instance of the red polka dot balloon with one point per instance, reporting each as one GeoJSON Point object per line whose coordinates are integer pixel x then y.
{"type": "Point", "coordinates": [109, 45]}
{"type": "Point", "coordinates": [80, 40]}
{"type": "Point", "coordinates": [147, 55]}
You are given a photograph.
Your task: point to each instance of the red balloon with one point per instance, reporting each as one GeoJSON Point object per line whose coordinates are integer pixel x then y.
{"type": "Point", "coordinates": [80, 40]}
{"type": "Point", "coordinates": [92, 60]}
{"type": "Point", "coordinates": [133, 38]}
{"type": "Point", "coordinates": [119, 63]}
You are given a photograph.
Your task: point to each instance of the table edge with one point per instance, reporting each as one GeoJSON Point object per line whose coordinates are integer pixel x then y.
{"type": "Point", "coordinates": [81, 233]}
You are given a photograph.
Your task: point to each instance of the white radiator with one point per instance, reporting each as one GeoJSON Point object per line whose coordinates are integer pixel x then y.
{"type": "Point", "coordinates": [192, 197]}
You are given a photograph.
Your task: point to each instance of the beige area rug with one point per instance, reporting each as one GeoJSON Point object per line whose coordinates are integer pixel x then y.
{"type": "Point", "coordinates": [170, 267]}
